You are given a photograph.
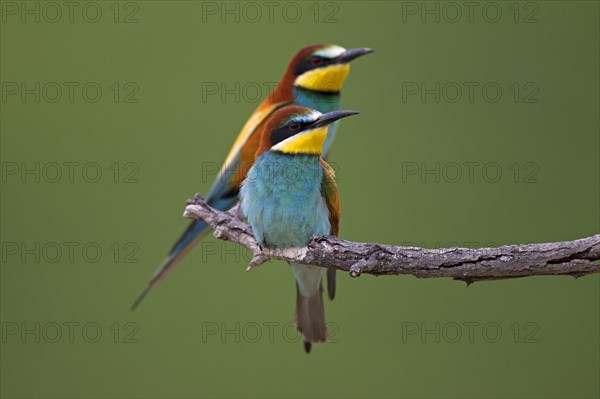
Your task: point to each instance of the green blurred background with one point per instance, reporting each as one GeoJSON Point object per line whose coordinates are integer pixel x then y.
{"type": "Point", "coordinates": [165, 135]}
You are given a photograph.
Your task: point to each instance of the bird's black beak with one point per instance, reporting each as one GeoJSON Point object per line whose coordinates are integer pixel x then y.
{"type": "Point", "coordinates": [352, 54]}
{"type": "Point", "coordinates": [330, 117]}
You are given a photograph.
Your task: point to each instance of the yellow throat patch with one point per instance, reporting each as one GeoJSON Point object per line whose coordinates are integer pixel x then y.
{"type": "Point", "coordinates": [309, 142]}
{"type": "Point", "coordinates": [329, 79]}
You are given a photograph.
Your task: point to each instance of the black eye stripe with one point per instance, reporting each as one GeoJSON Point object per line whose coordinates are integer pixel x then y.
{"type": "Point", "coordinates": [307, 65]}
{"type": "Point", "coordinates": [282, 133]}
{"type": "Point", "coordinates": [278, 135]}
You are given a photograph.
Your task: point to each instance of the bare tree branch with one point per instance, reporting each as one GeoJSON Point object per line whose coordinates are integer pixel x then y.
{"type": "Point", "coordinates": [573, 258]}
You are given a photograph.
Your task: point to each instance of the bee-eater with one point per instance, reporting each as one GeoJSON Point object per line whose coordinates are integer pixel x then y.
{"type": "Point", "coordinates": [290, 195]}
{"type": "Point", "coordinates": [313, 78]}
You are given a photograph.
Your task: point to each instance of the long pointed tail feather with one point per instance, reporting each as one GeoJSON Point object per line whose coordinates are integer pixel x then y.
{"type": "Point", "coordinates": [195, 231]}
{"type": "Point", "coordinates": [310, 318]}
{"type": "Point", "coordinates": [331, 283]}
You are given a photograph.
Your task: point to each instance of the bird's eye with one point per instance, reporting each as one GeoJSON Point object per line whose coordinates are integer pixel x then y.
{"type": "Point", "coordinates": [316, 61]}
{"type": "Point", "coordinates": [294, 126]}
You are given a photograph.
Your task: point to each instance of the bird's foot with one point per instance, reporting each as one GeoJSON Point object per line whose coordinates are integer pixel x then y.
{"type": "Point", "coordinates": [236, 211]}
{"type": "Point", "coordinates": [259, 258]}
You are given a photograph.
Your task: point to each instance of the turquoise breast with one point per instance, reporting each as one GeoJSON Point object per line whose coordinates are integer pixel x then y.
{"type": "Point", "coordinates": [282, 199]}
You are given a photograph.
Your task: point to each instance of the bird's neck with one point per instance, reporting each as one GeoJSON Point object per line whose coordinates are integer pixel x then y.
{"type": "Point", "coordinates": [286, 91]}
{"type": "Point", "coordinates": [323, 102]}
{"type": "Point", "coordinates": [320, 100]}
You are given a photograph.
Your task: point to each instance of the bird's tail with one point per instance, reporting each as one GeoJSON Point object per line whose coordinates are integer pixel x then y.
{"type": "Point", "coordinates": [194, 233]}
{"type": "Point", "coordinates": [310, 318]}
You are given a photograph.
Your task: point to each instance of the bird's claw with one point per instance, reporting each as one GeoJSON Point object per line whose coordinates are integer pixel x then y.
{"type": "Point", "coordinates": [236, 211]}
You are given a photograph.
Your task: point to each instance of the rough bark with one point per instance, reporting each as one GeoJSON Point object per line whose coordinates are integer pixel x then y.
{"type": "Point", "coordinates": [573, 258]}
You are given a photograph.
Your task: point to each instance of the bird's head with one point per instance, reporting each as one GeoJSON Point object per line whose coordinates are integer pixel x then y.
{"type": "Point", "coordinates": [298, 130]}
{"type": "Point", "coordinates": [323, 67]}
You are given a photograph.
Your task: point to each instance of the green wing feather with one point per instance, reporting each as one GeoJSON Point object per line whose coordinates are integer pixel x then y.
{"type": "Point", "coordinates": [330, 193]}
